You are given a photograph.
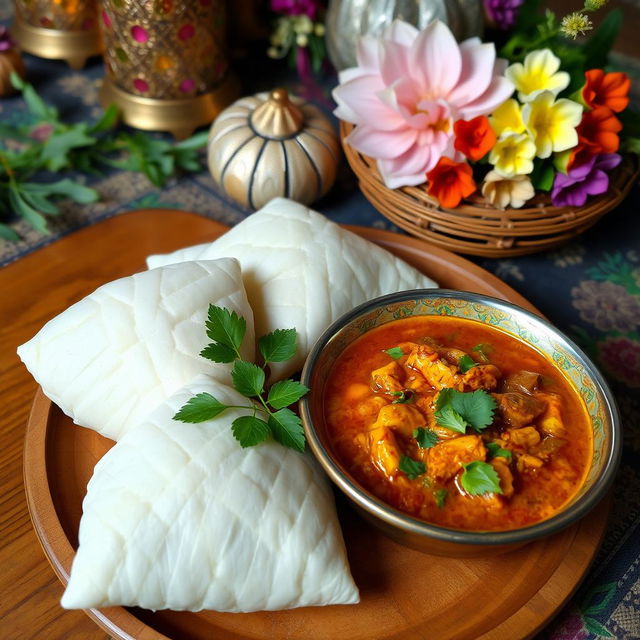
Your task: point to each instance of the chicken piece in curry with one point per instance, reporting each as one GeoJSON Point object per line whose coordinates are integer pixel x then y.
{"type": "Point", "coordinates": [458, 423]}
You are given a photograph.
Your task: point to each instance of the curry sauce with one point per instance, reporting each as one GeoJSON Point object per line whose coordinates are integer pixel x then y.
{"type": "Point", "coordinates": [457, 423]}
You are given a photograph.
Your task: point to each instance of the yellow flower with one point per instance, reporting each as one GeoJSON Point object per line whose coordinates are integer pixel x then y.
{"type": "Point", "coordinates": [513, 154]}
{"type": "Point", "coordinates": [507, 118]}
{"type": "Point", "coordinates": [552, 125]}
{"type": "Point", "coordinates": [575, 24]}
{"type": "Point", "coordinates": [538, 73]}
{"type": "Point", "coordinates": [504, 192]}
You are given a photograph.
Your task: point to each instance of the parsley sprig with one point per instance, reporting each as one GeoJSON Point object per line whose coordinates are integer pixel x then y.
{"type": "Point", "coordinates": [457, 410]}
{"type": "Point", "coordinates": [226, 329]}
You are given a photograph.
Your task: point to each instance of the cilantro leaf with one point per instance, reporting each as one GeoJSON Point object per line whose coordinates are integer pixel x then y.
{"type": "Point", "coordinates": [495, 450]}
{"type": "Point", "coordinates": [395, 352]}
{"type": "Point", "coordinates": [449, 418]}
{"type": "Point", "coordinates": [278, 346]}
{"type": "Point", "coordinates": [483, 350]}
{"type": "Point", "coordinates": [426, 437]}
{"type": "Point", "coordinates": [285, 392]}
{"type": "Point", "coordinates": [248, 378]}
{"type": "Point", "coordinates": [218, 352]}
{"type": "Point", "coordinates": [287, 429]}
{"type": "Point", "coordinates": [249, 430]}
{"type": "Point", "coordinates": [466, 362]}
{"type": "Point", "coordinates": [413, 468]}
{"type": "Point", "coordinates": [200, 408]}
{"type": "Point", "coordinates": [440, 495]}
{"type": "Point", "coordinates": [474, 408]}
{"type": "Point", "coordinates": [226, 327]}
{"type": "Point", "coordinates": [402, 397]}
{"type": "Point", "coordinates": [479, 478]}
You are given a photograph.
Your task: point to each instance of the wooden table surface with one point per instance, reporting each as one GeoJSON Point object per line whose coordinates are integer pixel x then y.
{"type": "Point", "coordinates": [33, 290]}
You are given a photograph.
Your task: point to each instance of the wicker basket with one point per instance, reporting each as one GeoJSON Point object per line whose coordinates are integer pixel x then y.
{"type": "Point", "coordinates": [475, 227]}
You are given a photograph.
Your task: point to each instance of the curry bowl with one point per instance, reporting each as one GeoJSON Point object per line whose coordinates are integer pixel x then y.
{"type": "Point", "coordinates": [395, 472]}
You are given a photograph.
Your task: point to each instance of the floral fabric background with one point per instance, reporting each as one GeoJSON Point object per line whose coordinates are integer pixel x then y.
{"type": "Point", "coordinates": [590, 289]}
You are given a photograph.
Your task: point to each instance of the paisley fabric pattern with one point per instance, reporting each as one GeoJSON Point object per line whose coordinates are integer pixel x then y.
{"type": "Point", "coordinates": [589, 288]}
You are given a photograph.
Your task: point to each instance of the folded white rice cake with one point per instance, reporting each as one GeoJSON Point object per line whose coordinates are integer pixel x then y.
{"type": "Point", "coordinates": [111, 358]}
{"type": "Point", "coordinates": [302, 270]}
{"type": "Point", "coordinates": [179, 516]}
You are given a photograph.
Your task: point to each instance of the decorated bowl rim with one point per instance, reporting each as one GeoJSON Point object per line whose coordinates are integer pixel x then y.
{"type": "Point", "coordinates": [409, 524]}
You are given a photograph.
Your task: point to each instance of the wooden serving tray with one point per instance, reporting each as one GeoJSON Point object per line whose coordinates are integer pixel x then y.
{"type": "Point", "coordinates": [404, 593]}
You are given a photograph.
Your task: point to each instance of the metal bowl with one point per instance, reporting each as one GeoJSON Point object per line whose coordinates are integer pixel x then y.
{"type": "Point", "coordinates": [533, 330]}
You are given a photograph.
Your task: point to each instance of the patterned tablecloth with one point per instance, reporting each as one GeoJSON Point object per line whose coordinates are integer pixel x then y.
{"type": "Point", "coordinates": [590, 289]}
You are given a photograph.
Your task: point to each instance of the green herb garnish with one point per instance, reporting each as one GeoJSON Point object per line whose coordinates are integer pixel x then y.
{"type": "Point", "coordinates": [441, 496]}
{"type": "Point", "coordinates": [466, 362]}
{"type": "Point", "coordinates": [456, 410]}
{"type": "Point", "coordinates": [426, 437]}
{"type": "Point", "coordinates": [495, 451]}
{"type": "Point", "coordinates": [227, 330]}
{"type": "Point", "coordinates": [479, 478]}
{"type": "Point", "coordinates": [395, 352]}
{"type": "Point", "coordinates": [483, 350]}
{"type": "Point", "coordinates": [402, 397]}
{"type": "Point", "coordinates": [413, 468]}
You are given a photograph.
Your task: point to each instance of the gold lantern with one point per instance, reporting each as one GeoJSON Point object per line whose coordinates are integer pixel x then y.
{"type": "Point", "coordinates": [58, 29]}
{"type": "Point", "coordinates": [271, 145]}
{"type": "Point", "coordinates": [166, 65]}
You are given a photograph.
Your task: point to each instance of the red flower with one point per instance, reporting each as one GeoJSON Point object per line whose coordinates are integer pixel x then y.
{"type": "Point", "coordinates": [597, 133]}
{"type": "Point", "coordinates": [475, 138]}
{"type": "Point", "coordinates": [606, 90]}
{"type": "Point", "coordinates": [450, 181]}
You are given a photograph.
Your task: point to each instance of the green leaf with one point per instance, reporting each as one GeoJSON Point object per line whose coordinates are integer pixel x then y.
{"type": "Point", "coordinates": [250, 431]}
{"type": "Point", "coordinates": [440, 495]}
{"type": "Point", "coordinates": [479, 478]}
{"type": "Point", "coordinates": [226, 327]}
{"type": "Point", "coordinates": [495, 451]}
{"type": "Point", "coordinates": [287, 429]}
{"type": "Point", "coordinates": [218, 352]}
{"type": "Point", "coordinates": [596, 49]}
{"type": "Point", "coordinates": [466, 362]}
{"type": "Point", "coordinates": [456, 407]}
{"type": "Point", "coordinates": [426, 438]}
{"type": "Point", "coordinates": [35, 104]}
{"type": "Point", "coordinates": [55, 151]}
{"type": "Point", "coordinates": [8, 233]}
{"type": "Point", "coordinates": [402, 397]}
{"type": "Point", "coordinates": [195, 142]}
{"type": "Point", "coordinates": [543, 177]}
{"type": "Point", "coordinates": [107, 121]}
{"type": "Point", "coordinates": [395, 352]}
{"type": "Point", "coordinates": [449, 418]}
{"type": "Point", "coordinates": [77, 192]}
{"type": "Point", "coordinates": [285, 392]}
{"type": "Point", "coordinates": [413, 468]}
{"type": "Point", "coordinates": [40, 203]}
{"type": "Point", "coordinates": [35, 219]}
{"type": "Point", "coordinates": [248, 378]}
{"type": "Point", "coordinates": [597, 629]}
{"type": "Point", "coordinates": [279, 345]}
{"type": "Point", "coordinates": [200, 408]}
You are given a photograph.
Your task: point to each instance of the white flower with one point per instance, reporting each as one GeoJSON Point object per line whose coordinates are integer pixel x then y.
{"type": "Point", "coordinates": [504, 192]}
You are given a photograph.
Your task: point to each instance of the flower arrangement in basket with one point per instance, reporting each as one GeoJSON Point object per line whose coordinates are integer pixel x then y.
{"type": "Point", "coordinates": [450, 139]}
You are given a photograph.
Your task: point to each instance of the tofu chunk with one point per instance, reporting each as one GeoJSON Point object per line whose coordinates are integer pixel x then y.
{"type": "Point", "coordinates": [484, 376]}
{"type": "Point", "coordinates": [446, 458]}
{"type": "Point", "coordinates": [525, 437]}
{"type": "Point", "coordinates": [387, 379]}
{"type": "Point", "coordinates": [403, 418]}
{"type": "Point", "coordinates": [383, 449]}
{"type": "Point", "coordinates": [436, 371]}
{"type": "Point", "coordinates": [550, 422]}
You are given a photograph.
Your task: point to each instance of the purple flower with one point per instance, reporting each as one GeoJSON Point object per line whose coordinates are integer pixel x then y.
{"type": "Point", "coordinates": [606, 305]}
{"type": "Point", "coordinates": [621, 358]}
{"type": "Point", "coordinates": [6, 42]}
{"type": "Point", "coordinates": [587, 179]}
{"type": "Point", "coordinates": [296, 7]}
{"type": "Point", "coordinates": [503, 13]}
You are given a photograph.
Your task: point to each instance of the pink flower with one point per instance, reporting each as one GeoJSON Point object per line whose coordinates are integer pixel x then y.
{"type": "Point", "coordinates": [621, 358]}
{"type": "Point", "coordinates": [606, 305]}
{"type": "Point", "coordinates": [409, 88]}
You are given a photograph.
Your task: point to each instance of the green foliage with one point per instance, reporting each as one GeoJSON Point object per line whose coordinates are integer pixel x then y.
{"type": "Point", "coordinates": [495, 450]}
{"type": "Point", "coordinates": [227, 329]}
{"type": "Point", "coordinates": [413, 468]}
{"type": "Point", "coordinates": [466, 362]}
{"type": "Point", "coordinates": [479, 478]}
{"type": "Point", "coordinates": [456, 410]}
{"type": "Point", "coordinates": [395, 352]}
{"type": "Point", "coordinates": [48, 145]}
{"type": "Point", "coordinates": [425, 437]}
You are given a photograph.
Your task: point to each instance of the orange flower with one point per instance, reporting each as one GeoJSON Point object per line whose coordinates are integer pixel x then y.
{"type": "Point", "coordinates": [597, 133]}
{"type": "Point", "coordinates": [475, 138]}
{"type": "Point", "coordinates": [450, 181]}
{"type": "Point", "coordinates": [606, 89]}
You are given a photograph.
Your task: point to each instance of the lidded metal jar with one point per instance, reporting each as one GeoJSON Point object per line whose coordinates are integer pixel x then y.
{"type": "Point", "coordinates": [270, 145]}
